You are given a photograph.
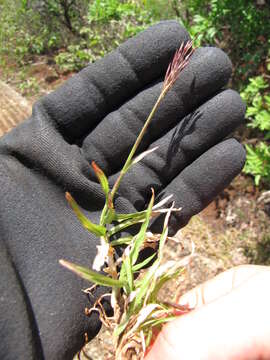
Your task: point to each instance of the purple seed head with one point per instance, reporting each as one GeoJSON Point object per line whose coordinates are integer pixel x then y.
{"type": "Point", "coordinates": [179, 62]}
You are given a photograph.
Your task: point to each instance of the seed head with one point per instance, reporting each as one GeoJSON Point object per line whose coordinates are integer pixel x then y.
{"type": "Point", "coordinates": [179, 62]}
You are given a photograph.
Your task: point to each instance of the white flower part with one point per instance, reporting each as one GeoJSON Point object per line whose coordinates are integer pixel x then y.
{"type": "Point", "coordinates": [102, 256]}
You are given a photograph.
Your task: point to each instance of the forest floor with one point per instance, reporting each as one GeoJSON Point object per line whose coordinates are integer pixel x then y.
{"type": "Point", "coordinates": [233, 230]}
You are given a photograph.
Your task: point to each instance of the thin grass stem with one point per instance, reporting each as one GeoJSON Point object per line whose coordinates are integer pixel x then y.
{"type": "Point", "coordinates": [136, 145]}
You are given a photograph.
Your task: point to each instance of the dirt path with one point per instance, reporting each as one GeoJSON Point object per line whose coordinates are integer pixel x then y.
{"type": "Point", "coordinates": [13, 108]}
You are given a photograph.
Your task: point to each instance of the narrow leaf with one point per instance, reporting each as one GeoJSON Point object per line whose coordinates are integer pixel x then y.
{"type": "Point", "coordinates": [156, 322]}
{"type": "Point", "coordinates": [93, 228]}
{"type": "Point", "coordinates": [121, 327]}
{"type": "Point", "coordinates": [140, 237]}
{"type": "Point", "coordinates": [126, 274]}
{"type": "Point", "coordinates": [91, 275]}
{"type": "Point", "coordinates": [138, 215]}
{"type": "Point", "coordinates": [141, 215]}
{"type": "Point", "coordinates": [123, 225]}
{"type": "Point", "coordinates": [148, 337]}
{"type": "Point", "coordinates": [122, 241]}
{"type": "Point", "coordinates": [162, 281]}
{"type": "Point", "coordinates": [129, 274]}
{"type": "Point", "coordinates": [143, 263]}
{"type": "Point", "coordinates": [110, 215]}
{"type": "Point", "coordinates": [102, 178]}
{"type": "Point", "coordinates": [144, 285]}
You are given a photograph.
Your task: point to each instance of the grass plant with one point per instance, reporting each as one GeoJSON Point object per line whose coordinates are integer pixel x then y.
{"type": "Point", "coordinates": [138, 313]}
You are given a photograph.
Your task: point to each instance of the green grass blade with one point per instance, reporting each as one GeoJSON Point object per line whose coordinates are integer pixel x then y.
{"type": "Point", "coordinates": [110, 215]}
{"type": "Point", "coordinates": [123, 278]}
{"type": "Point", "coordinates": [129, 274]}
{"type": "Point", "coordinates": [156, 322]}
{"type": "Point", "coordinates": [139, 266]}
{"type": "Point", "coordinates": [102, 178]}
{"type": "Point", "coordinates": [140, 237]}
{"type": "Point", "coordinates": [122, 241]}
{"type": "Point", "coordinates": [121, 327]}
{"type": "Point", "coordinates": [162, 281]}
{"type": "Point", "coordinates": [141, 215]}
{"type": "Point", "coordinates": [148, 337]}
{"type": "Point", "coordinates": [144, 285]}
{"type": "Point", "coordinates": [93, 228]}
{"type": "Point", "coordinates": [122, 226]}
{"type": "Point", "coordinates": [91, 275]}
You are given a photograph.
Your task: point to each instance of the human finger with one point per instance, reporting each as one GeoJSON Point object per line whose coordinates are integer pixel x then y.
{"type": "Point", "coordinates": [220, 285]}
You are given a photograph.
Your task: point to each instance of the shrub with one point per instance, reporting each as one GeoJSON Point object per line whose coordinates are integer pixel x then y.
{"type": "Point", "coordinates": [123, 19]}
{"type": "Point", "coordinates": [240, 27]}
{"type": "Point", "coordinates": [257, 97]}
{"type": "Point", "coordinates": [35, 27]}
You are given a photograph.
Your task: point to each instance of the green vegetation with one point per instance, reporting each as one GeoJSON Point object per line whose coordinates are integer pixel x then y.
{"type": "Point", "coordinates": [257, 97]}
{"type": "Point", "coordinates": [239, 27]}
{"type": "Point", "coordinates": [73, 33]}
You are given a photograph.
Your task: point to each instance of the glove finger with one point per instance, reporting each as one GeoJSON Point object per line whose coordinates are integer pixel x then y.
{"type": "Point", "coordinates": [77, 106]}
{"type": "Point", "coordinates": [208, 71]}
{"type": "Point", "coordinates": [201, 182]}
{"type": "Point", "coordinates": [208, 125]}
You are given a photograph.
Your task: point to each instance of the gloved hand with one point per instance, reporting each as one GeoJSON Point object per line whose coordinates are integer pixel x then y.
{"type": "Point", "coordinates": [96, 115]}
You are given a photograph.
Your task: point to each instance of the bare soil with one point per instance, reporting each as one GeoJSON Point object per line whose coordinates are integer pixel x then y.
{"type": "Point", "coordinates": [13, 108]}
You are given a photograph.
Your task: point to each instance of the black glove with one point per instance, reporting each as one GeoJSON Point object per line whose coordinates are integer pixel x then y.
{"type": "Point", "coordinates": [97, 115]}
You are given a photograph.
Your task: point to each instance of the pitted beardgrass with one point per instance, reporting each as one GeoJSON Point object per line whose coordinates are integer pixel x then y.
{"type": "Point", "coordinates": [138, 314]}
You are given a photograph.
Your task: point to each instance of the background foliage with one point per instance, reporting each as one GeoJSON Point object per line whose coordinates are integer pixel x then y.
{"type": "Point", "coordinates": [72, 33]}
